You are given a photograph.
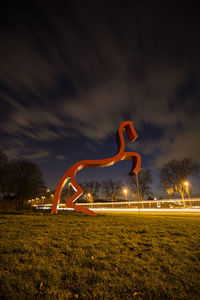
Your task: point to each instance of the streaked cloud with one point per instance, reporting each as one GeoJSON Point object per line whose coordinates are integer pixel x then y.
{"type": "Point", "coordinates": [61, 157]}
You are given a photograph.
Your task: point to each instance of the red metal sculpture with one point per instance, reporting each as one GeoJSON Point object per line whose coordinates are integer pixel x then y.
{"type": "Point", "coordinates": [71, 172]}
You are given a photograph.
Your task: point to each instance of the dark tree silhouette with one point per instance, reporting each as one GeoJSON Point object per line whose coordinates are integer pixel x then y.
{"type": "Point", "coordinates": [111, 189]}
{"type": "Point", "coordinates": [20, 180]}
{"type": "Point", "coordinates": [28, 181]}
{"type": "Point", "coordinates": [144, 182]}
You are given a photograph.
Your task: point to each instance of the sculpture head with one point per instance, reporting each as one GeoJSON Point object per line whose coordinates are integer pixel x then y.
{"type": "Point", "coordinates": [130, 131]}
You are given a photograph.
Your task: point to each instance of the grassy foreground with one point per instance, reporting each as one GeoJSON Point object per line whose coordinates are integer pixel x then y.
{"type": "Point", "coordinates": [111, 256]}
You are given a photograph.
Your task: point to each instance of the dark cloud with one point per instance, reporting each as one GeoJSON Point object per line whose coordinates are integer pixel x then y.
{"type": "Point", "coordinates": [78, 70]}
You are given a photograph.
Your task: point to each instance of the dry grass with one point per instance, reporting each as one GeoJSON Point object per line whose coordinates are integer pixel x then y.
{"type": "Point", "coordinates": [112, 256]}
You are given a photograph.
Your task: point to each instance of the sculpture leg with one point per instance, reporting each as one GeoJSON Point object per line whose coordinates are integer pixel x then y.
{"type": "Point", "coordinates": [70, 202]}
{"type": "Point", "coordinates": [59, 188]}
{"type": "Point", "coordinates": [82, 209]}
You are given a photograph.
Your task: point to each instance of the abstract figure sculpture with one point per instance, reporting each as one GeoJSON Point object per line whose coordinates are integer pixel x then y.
{"type": "Point", "coordinates": [71, 172]}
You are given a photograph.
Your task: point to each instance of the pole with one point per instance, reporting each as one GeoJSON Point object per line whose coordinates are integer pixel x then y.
{"type": "Point", "coordinates": [188, 192]}
{"type": "Point", "coordinates": [138, 192]}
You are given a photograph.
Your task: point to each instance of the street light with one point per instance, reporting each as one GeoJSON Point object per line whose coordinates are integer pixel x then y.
{"type": "Point", "coordinates": [125, 191]}
{"type": "Point", "coordinates": [43, 197]}
{"type": "Point", "coordinates": [186, 184]}
{"type": "Point", "coordinates": [89, 197]}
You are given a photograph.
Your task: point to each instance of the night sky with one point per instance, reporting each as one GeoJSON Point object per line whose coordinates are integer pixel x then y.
{"type": "Point", "coordinates": [69, 75]}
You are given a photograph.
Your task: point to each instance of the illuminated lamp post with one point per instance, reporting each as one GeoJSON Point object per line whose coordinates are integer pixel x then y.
{"type": "Point", "coordinates": [186, 184]}
{"type": "Point", "coordinates": [43, 197]}
{"type": "Point", "coordinates": [89, 197]}
{"type": "Point", "coordinates": [125, 191]}
{"type": "Point", "coordinates": [52, 195]}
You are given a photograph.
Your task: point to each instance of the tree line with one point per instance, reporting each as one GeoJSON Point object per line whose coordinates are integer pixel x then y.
{"type": "Point", "coordinates": [21, 180]}
{"type": "Point", "coordinates": [114, 190]}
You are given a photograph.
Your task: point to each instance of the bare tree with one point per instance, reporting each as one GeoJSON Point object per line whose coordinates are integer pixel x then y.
{"type": "Point", "coordinates": [176, 172]}
{"type": "Point", "coordinates": [27, 180]}
{"type": "Point", "coordinates": [143, 186]}
{"type": "Point", "coordinates": [111, 189]}
{"type": "Point", "coordinates": [20, 179]}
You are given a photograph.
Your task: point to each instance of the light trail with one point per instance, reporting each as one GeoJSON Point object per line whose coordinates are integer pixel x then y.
{"type": "Point", "coordinates": [107, 206]}
{"type": "Point", "coordinates": [148, 209]}
{"type": "Point", "coordinates": [130, 202]}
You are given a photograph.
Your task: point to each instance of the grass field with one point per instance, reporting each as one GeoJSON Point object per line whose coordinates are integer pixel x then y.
{"type": "Point", "coordinates": [111, 256]}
